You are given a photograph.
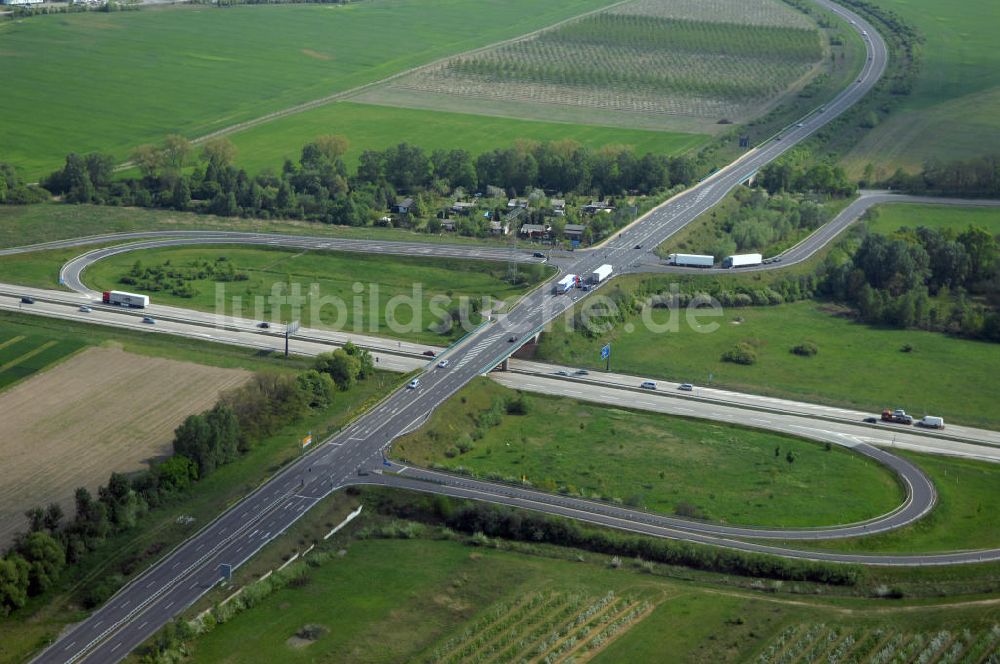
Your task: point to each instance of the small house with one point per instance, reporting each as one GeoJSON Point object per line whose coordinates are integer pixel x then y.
{"type": "Point", "coordinates": [574, 232]}
{"type": "Point", "coordinates": [448, 225]}
{"type": "Point", "coordinates": [403, 206]}
{"type": "Point", "coordinates": [535, 231]}
{"type": "Point", "coordinates": [599, 206]}
{"type": "Point", "coordinates": [558, 206]}
{"type": "Point", "coordinates": [515, 203]}
{"type": "Point", "coordinates": [500, 227]}
{"type": "Point", "coordinates": [463, 208]}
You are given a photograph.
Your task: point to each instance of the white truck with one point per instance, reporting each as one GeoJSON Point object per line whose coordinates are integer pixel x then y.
{"type": "Point", "coordinates": [600, 274]}
{"type": "Point", "coordinates": [742, 260]}
{"type": "Point", "coordinates": [565, 284]}
{"type": "Point", "coordinates": [691, 260]}
{"type": "Point", "coordinates": [123, 299]}
{"type": "Point", "coordinates": [931, 422]}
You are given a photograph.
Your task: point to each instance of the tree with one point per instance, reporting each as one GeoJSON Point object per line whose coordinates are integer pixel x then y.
{"type": "Point", "coordinates": [366, 366]}
{"type": "Point", "coordinates": [182, 194]}
{"type": "Point", "coordinates": [14, 580]}
{"type": "Point", "coordinates": [45, 558]}
{"type": "Point", "coordinates": [176, 151]}
{"type": "Point", "coordinates": [148, 159]}
{"type": "Point", "coordinates": [53, 516]}
{"type": "Point", "coordinates": [191, 439]}
{"type": "Point", "coordinates": [319, 388]}
{"type": "Point", "coordinates": [224, 434]}
{"type": "Point", "coordinates": [343, 368]}
{"type": "Point", "coordinates": [36, 519]}
{"type": "Point", "coordinates": [982, 250]}
{"type": "Point", "coordinates": [219, 152]}
{"type": "Point", "coordinates": [176, 473]}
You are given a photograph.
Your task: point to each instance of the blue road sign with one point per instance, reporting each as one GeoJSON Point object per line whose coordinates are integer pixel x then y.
{"type": "Point", "coordinates": [606, 352]}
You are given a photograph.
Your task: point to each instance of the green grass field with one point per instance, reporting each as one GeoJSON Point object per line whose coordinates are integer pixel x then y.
{"type": "Point", "coordinates": [26, 351]}
{"type": "Point", "coordinates": [857, 365]}
{"type": "Point", "coordinates": [370, 127]}
{"type": "Point", "coordinates": [446, 601]}
{"type": "Point", "coordinates": [382, 279]}
{"type": "Point", "coordinates": [192, 70]}
{"type": "Point", "coordinates": [727, 473]}
{"type": "Point", "coordinates": [964, 518]}
{"type": "Point", "coordinates": [890, 218]}
{"type": "Point", "coordinates": [954, 110]}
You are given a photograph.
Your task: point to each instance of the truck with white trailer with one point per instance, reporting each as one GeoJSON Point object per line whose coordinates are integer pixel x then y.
{"type": "Point", "coordinates": [565, 284]}
{"type": "Point", "coordinates": [600, 274]}
{"type": "Point", "coordinates": [123, 299]}
{"type": "Point", "coordinates": [742, 260]}
{"type": "Point", "coordinates": [691, 260]}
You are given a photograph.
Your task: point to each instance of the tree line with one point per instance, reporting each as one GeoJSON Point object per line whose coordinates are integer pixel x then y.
{"type": "Point", "coordinates": [978, 177]}
{"type": "Point", "coordinates": [202, 443]}
{"type": "Point", "coordinates": [902, 280]}
{"type": "Point", "coordinates": [318, 187]}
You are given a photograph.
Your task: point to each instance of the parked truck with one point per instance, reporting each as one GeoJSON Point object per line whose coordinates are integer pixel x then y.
{"type": "Point", "coordinates": [600, 274]}
{"type": "Point", "coordinates": [565, 284]}
{"type": "Point", "coordinates": [691, 260]}
{"type": "Point", "coordinates": [898, 416]}
{"type": "Point", "coordinates": [742, 260]}
{"type": "Point", "coordinates": [123, 299]}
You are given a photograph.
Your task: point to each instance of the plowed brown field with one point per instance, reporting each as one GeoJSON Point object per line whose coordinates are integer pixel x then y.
{"type": "Point", "coordinates": [103, 410]}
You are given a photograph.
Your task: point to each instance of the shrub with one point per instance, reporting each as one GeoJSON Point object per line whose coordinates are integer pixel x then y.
{"type": "Point", "coordinates": [741, 353]}
{"type": "Point", "coordinates": [806, 349]}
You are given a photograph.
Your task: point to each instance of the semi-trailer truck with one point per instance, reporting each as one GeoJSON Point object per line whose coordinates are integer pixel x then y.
{"type": "Point", "coordinates": [565, 284]}
{"type": "Point", "coordinates": [742, 260]}
{"type": "Point", "coordinates": [600, 274]}
{"type": "Point", "coordinates": [123, 299]}
{"type": "Point", "coordinates": [691, 260]}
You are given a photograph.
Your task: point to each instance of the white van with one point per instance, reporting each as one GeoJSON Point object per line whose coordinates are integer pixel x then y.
{"type": "Point", "coordinates": [931, 422]}
{"type": "Point", "coordinates": [648, 385]}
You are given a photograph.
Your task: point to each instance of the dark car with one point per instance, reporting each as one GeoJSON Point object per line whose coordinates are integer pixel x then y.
{"type": "Point", "coordinates": [538, 254]}
{"type": "Point", "coordinates": [512, 339]}
{"type": "Point", "coordinates": [27, 300]}
{"type": "Point", "coordinates": [429, 353]}
{"type": "Point", "coordinates": [638, 246]}
{"type": "Point", "coordinates": [870, 420]}
{"type": "Point", "coordinates": [264, 325]}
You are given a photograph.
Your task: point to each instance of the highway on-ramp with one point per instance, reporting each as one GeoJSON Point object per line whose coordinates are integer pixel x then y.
{"type": "Point", "coordinates": [353, 455]}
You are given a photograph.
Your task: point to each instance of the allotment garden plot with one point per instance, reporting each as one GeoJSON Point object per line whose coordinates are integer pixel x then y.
{"type": "Point", "coordinates": [103, 410]}
{"type": "Point", "coordinates": [645, 63]}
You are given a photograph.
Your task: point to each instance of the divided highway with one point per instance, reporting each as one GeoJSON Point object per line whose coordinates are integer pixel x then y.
{"type": "Point", "coordinates": [355, 455]}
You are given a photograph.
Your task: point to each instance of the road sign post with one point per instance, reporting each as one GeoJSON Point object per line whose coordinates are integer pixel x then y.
{"type": "Point", "coordinates": [290, 329]}
{"type": "Point", "coordinates": [606, 356]}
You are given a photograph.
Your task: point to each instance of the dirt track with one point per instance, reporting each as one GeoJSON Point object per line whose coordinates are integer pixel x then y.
{"type": "Point", "coordinates": [103, 410]}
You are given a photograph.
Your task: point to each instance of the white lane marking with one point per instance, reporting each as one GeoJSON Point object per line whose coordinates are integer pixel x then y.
{"type": "Point", "coordinates": [116, 646]}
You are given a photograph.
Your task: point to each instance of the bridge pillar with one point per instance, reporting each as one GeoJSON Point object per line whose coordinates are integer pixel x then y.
{"type": "Point", "coordinates": [505, 365]}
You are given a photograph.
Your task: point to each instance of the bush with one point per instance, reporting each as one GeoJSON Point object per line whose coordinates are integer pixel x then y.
{"type": "Point", "coordinates": [806, 349]}
{"type": "Point", "coordinates": [741, 353]}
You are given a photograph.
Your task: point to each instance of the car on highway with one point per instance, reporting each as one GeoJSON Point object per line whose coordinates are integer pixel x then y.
{"type": "Point", "coordinates": [581, 372]}
{"type": "Point", "coordinates": [648, 385]}
{"type": "Point", "coordinates": [801, 124]}
{"type": "Point", "coordinates": [414, 384]}
{"type": "Point", "coordinates": [264, 325]}
{"type": "Point", "coordinates": [85, 309]}
{"type": "Point", "coordinates": [512, 339]}
{"type": "Point", "coordinates": [870, 420]}
{"type": "Point", "coordinates": [638, 246]}
{"type": "Point", "coordinates": [443, 363]}
{"type": "Point", "coordinates": [429, 353]}
{"type": "Point", "coordinates": [148, 319]}
{"type": "Point", "coordinates": [538, 254]}
{"type": "Point", "coordinates": [27, 300]}
{"type": "Point", "coordinates": [562, 373]}
{"type": "Point", "coordinates": [685, 387]}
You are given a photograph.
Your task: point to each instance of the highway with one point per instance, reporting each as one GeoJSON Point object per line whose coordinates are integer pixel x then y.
{"type": "Point", "coordinates": [355, 455]}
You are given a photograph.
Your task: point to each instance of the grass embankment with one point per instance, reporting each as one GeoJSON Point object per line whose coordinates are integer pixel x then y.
{"type": "Point", "coordinates": [203, 69]}
{"type": "Point", "coordinates": [953, 110]}
{"type": "Point", "coordinates": [445, 600]}
{"type": "Point", "coordinates": [888, 219]}
{"type": "Point", "coordinates": [129, 553]}
{"type": "Point", "coordinates": [371, 127]}
{"type": "Point", "coordinates": [663, 463]}
{"type": "Point", "coordinates": [434, 285]}
{"type": "Point", "coordinates": [857, 365]}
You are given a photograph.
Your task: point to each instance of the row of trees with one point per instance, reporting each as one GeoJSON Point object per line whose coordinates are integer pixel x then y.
{"type": "Point", "coordinates": [970, 177]}
{"type": "Point", "coordinates": [202, 443]}
{"type": "Point", "coordinates": [822, 178]}
{"type": "Point", "coordinates": [507, 523]}
{"type": "Point", "coordinates": [320, 188]}
{"type": "Point", "coordinates": [15, 191]}
{"type": "Point", "coordinates": [892, 280]}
